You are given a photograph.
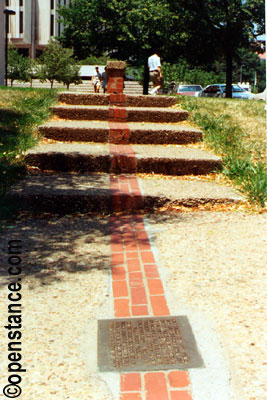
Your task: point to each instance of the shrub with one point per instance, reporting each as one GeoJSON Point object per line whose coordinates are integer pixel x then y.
{"type": "Point", "coordinates": [58, 64]}
{"type": "Point", "coordinates": [18, 66]}
{"type": "Point", "coordinates": [22, 111]}
{"type": "Point", "coordinates": [183, 73]}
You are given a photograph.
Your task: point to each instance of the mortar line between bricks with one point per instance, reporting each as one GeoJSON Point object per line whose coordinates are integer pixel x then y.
{"type": "Point", "coordinates": [137, 287]}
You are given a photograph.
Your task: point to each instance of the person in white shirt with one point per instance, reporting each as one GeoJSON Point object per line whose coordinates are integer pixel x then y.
{"type": "Point", "coordinates": [96, 80]}
{"type": "Point", "coordinates": [155, 73]}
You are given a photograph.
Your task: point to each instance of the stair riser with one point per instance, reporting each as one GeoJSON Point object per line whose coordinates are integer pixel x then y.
{"type": "Point", "coordinates": [81, 114]}
{"type": "Point", "coordinates": [104, 204]}
{"type": "Point", "coordinates": [136, 137]}
{"type": "Point", "coordinates": [108, 163]}
{"type": "Point", "coordinates": [133, 115]}
{"type": "Point", "coordinates": [65, 163]}
{"type": "Point", "coordinates": [178, 167]}
{"type": "Point", "coordinates": [76, 134]}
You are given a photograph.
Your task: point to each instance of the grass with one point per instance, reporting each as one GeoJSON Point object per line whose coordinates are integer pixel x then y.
{"type": "Point", "coordinates": [235, 130]}
{"type": "Point", "coordinates": [21, 111]}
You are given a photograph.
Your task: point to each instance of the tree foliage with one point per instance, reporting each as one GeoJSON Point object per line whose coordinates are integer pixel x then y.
{"type": "Point", "coordinates": [221, 28]}
{"type": "Point", "coordinates": [129, 30]}
{"type": "Point", "coordinates": [58, 64]}
{"type": "Point", "coordinates": [18, 66]}
{"type": "Point", "coordinates": [183, 73]}
{"type": "Point", "coordinates": [123, 28]}
{"type": "Point", "coordinates": [201, 31]}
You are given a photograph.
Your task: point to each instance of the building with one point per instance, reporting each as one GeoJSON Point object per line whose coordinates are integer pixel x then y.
{"type": "Point", "coordinates": [34, 24]}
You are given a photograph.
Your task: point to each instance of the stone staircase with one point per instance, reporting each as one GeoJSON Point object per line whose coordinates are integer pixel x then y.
{"type": "Point", "coordinates": [131, 87]}
{"type": "Point", "coordinates": [101, 153]}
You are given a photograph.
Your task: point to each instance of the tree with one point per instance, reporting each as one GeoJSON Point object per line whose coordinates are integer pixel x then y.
{"type": "Point", "coordinates": [71, 75]}
{"type": "Point", "coordinates": [145, 27]}
{"type": "Point", "coordinates": [201, 31]}
{"type": "Point", "coordinates": [85, 28]}
{"type": "Point", "coordinates": [250, 68]}
{"type": "Point", "coordinates": [18, 66]}
{"type": "Point", "coordinates": [57, 64]}
{"type": "Point", "coordinates": [130, 30]}
{"type": "Point", "coordinates": [228, 25]}
{"type": "Point", "coordinates": [33, 69]}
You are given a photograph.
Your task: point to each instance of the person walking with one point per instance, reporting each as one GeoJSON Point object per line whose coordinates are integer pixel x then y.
{"type": "Point", "coordinates": [104, 80]}
{"type": "Point", "coordinates": [96, 80]}
{"type": "Point", "coordinates": [155, 73]}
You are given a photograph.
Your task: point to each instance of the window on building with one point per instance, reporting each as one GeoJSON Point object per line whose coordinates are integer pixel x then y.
{"type": "Point", "coordinates": [52, 4]}
{"type": "Point", "coordinates": [21, 3]}
{"type": "Point", "coordinates": [7, 3]}
{"type": "Point", "coordinates": [21, 22]}
{"type": "Point", "coordinates": [52, 25]}
{"type": "Point", "coordinates": [59, 29]}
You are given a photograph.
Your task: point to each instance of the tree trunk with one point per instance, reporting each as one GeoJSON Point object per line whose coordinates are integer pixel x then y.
{"type": "Point", "coordinates": [229, 73]}
{"type": "Point", "coordinates": [146, 78]}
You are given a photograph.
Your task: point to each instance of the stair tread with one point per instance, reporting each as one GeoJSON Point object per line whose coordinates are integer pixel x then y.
{"type": "Point", "coordinates": [98, 184]}
{"type": "Point", "coordinates": [129, 108]}
{"type": "Point", "coordinates": [141, 151]}
{"type": "Point", "coordinates": [92, 124]}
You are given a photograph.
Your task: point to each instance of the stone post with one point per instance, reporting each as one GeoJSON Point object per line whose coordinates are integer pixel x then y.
{"type": "Point", "coordinates": [115, 76]}
{"type": "Point", "coordinates": [2, 43]}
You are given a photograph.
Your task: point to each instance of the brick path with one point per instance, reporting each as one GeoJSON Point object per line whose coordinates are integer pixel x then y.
{"type": "Point", "coordinates": [136, 284]}
{"type": "Point", "coordinates": [138, 291]}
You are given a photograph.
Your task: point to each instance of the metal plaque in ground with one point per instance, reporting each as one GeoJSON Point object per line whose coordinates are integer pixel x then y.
{"type": "Point", "coordinates": [147, 344]}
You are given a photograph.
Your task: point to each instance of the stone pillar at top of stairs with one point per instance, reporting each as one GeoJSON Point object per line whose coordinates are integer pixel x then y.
{"type": "Point", "coordinates": [115, 76]}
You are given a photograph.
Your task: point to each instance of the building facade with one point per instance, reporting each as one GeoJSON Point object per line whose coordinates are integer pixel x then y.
{"type": "Point", "coordinates": [34, 24]}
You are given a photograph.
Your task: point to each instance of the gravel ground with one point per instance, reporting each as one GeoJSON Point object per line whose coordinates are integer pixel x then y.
{"type": "Point", "coordinates": [65, 281]}
{"type": "Point", "coordinates": [215, 263]}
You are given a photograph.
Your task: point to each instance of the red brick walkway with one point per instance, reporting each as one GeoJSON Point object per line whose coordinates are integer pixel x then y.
{"type": "Point", "coordinates": [138, 291]}
{"type": "Point", "coordinates": [137, 287]}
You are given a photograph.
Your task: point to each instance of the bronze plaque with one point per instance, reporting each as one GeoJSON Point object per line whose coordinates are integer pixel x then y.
{"type": "Point", "coordinates": [144, 344]}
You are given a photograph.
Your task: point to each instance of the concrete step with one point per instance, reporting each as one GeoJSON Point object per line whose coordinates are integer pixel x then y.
{"type": "Point", "coordinates": [96, 157]}
{"type": "Point", "coordinates": [131, 87]}
{"type": "Point", "coordinates": [137, 114]}
{"type": "Point", "coordinates": [69, 193]}
{"type": "Point", "coordinates": [101, 99]}
{"type": "Point", "coordinates": [140, 133]}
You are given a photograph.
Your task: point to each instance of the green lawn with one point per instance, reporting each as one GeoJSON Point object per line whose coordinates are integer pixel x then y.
{"type": "Point", "coordinates": [236, 130]}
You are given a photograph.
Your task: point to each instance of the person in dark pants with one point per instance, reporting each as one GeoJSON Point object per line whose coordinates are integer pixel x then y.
{"type": "Point", "coordinates": [104, 80]}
